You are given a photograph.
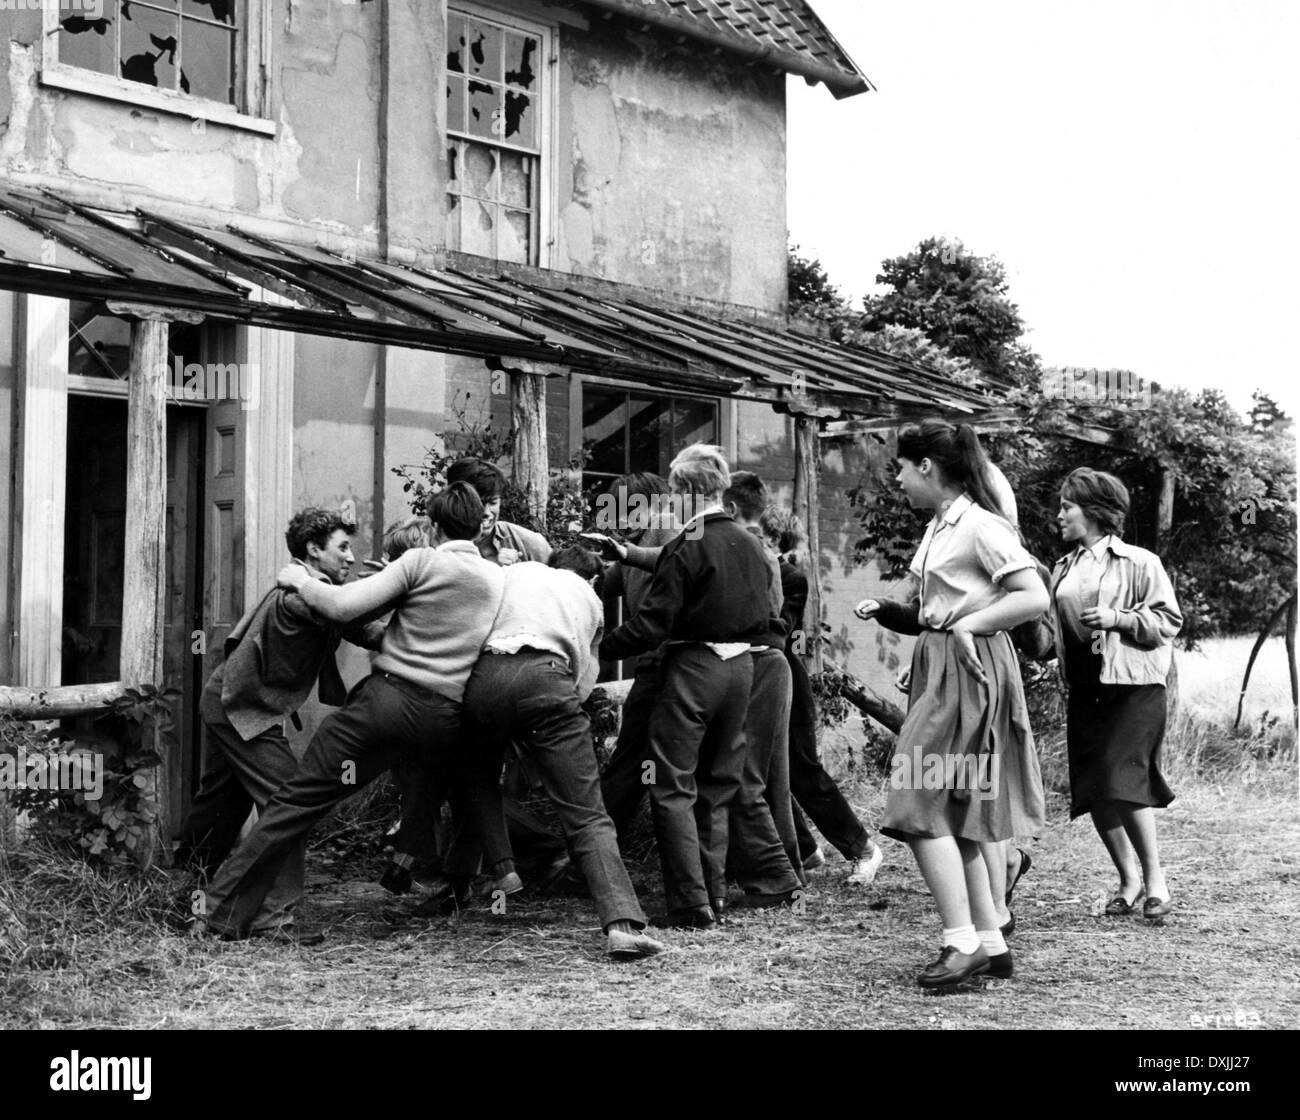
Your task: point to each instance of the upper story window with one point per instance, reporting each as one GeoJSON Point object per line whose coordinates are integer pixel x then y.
{"type": "Point", "coordinates": [197, 58]}
{"type": "Point", "coordinates": [184, 45]}
{"type": "Point", "coordinates": [496, 136]}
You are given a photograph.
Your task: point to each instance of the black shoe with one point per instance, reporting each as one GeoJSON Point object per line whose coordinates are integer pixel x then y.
{"type": "Point", "coordinates": [692, 917]}
{"type": "Point", "coordinates": [757, 900]}
{"type": "Point", "coordinates": [1000, 966]}
{"type": "Point", "coordinates": [952, 967]}
{"type": "Point", "coordinates": [396, 879]}
{"type": "Point", "coordinates": [289, 934]}
{"type": "Point", "coordinates": [719, 907]}
{"type": "Point", "coordinates": [1010, 928]}
{"type": "Point", "coordinates": [1025, 864]}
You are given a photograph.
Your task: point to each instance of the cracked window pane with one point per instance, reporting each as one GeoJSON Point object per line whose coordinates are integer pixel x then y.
{"type": "Point", "coordinates": [485, 118]}
{"type": "Point", "coordinates": [455, 103]}
{"type": "Point", "coordinates": [208, 61]}
{"type": "Point", "coordinates": [476, 228]}
{"type": "Point", "coordinates": [455, 44]}
{"type": "Point", "coordinates": [222, 11]}
{"type": "Point", "coordinates": [515, 237]}
{"type": "Point", "coordinates": [516, 179]}
{"type": "Point", "coordinates": [483, 47]}
{"type": "Point", "coordinates": [453, 168]}
{"type": "Point", "coordinates": [480, 170]}
{"type": "Point", "coordinates": [521, 58]}
{"type": "Point", "coordinates": [147, 46]}
{"type": "Point", "coordinates": [90, 43]}
{"type": "Point", "coordinates": [520, 119]}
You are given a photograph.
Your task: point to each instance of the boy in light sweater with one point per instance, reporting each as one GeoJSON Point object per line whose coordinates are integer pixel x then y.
{"type": "Point", "coordinates": [444, 600]}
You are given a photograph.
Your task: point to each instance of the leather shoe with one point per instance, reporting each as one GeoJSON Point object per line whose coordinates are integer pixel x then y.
{"type": "Point", "coordinates": [623, 945]}
{"type": "Point", "coordinates": [692, 917]}
{"type": "Point", "coordinates": [1120, 907]}
{"type": "Point", "coordinates": [1025, 864]}
{"type": "Point", "coordinates": [1000, 966]}
{"type": "Point", "coordinates": [953, 966]}
{"type": "Point", "coordinates": [1157, 908]}
{"type": "Point", "coordinates": [719, 907]}
{"type": "Point", "coordinates": [1010, 928]}
{"type": "Point", "coordinates": [396, 879]}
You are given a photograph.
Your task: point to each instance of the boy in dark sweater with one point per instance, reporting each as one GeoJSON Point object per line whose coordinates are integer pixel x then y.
{"type": "Point", "coordinates": [708, 600]}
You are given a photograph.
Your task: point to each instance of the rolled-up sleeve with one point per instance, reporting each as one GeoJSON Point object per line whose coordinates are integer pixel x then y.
{"type": "Point", "coordinates": [999, 551]}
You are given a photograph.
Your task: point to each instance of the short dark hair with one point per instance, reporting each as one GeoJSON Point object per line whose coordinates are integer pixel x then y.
{"type": "Point", "coordinates": [411, 532]}
{"type": "Point", "coordinates": [457, 511]}
{"type": "Point", "coordinates": [749, 492]}
{"type": "Point", "coordinates": [575, 558]}
{"type": "Point", "coordinates": [1101, 496]}
{"type": "Point", "coordinates": [486, 478]}
{"type": "Point", "coordinates": [314, 526]}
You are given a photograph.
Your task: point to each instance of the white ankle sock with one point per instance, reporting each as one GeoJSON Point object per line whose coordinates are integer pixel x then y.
{"type": "Point", "coordinates": [964, 938]}
{"type": "Point", "coordinates": [993, 941]}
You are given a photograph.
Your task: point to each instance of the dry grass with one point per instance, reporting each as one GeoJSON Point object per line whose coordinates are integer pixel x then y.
{"type": "Point", "coordinates": [100, 954]}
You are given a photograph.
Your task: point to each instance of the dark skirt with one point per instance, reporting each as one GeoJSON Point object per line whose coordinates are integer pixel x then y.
{"type": "Point", "coordinates": [1113, 734]}
{"type": "Point", "coordinates": [965, 763]}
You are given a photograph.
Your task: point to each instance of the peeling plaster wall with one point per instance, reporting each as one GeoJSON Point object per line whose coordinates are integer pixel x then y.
{"type": "Point", "coordinates": [671, 167]}
{"type": "Point", "coordinates": [320, 169]}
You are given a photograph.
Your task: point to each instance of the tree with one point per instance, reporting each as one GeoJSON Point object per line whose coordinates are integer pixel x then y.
{"type": "Point", "coordinates": [809, 288]}
{"type": "Point", "coordinates": [960, 302]}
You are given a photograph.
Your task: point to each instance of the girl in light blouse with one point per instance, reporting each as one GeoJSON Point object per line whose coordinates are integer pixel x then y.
{"type": "Point", "coordinates": [965, 772]}
{"type": "Point", "coordinates": [1115, 619]}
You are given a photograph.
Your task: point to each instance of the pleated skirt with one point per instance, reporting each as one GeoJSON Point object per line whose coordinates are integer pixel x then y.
{"type": "Point", "coordinates": [965, 763]}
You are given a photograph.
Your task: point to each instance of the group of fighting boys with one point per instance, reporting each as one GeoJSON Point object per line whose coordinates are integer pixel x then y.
{"type": "Point", "coordinates": [486, 645]}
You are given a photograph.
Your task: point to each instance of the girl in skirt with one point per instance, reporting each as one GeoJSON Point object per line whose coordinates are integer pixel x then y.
{"type": "Point", "coordinates": [965, 773]}
{"type": "Point", "coordinates": [1115, 619]}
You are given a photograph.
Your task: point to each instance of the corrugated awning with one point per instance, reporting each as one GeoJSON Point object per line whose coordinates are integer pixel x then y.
{"type": "Point", "coordinates": [50, 245]}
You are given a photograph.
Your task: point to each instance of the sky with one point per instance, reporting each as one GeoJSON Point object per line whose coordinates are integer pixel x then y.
{"type": "Point", "coordinates": [1133, 164]}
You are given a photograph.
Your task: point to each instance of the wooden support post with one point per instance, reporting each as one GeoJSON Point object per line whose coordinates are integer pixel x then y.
{"type": "Point", "coordinates": [145, 559]}
{"type": "Point", "coordinates": [807, 462]}
{"type": "Point", "coordinates": [1165, 507]}
{"type": "Point", "coordinates": [528, 418]}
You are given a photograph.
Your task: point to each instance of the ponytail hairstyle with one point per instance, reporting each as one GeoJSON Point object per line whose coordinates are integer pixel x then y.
{"type": "Point", "coordinates": [956, 451]}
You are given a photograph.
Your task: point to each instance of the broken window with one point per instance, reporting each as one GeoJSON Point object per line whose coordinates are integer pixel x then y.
{"type": "Point", "coordinates": [184, 46]}
{"type": "Point", "coordinates": [494, 137]}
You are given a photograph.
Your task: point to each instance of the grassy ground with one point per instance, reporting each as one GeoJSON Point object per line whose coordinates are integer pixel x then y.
{"type": "Point", "coordinates": [99, 955]}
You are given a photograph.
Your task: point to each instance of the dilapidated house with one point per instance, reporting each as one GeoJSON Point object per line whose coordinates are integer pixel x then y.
{"type": "Point", "coordinates": [252, 250]}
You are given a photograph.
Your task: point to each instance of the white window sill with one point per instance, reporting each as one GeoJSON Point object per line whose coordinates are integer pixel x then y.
{"type": "Point", "coordinates": [89, 82]}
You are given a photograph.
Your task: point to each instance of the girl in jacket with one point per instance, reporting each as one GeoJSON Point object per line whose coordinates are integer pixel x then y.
{"type": "Point", "coordinates": [1115, 619]}
{"type": "Point", "coordinates": [965, 773]}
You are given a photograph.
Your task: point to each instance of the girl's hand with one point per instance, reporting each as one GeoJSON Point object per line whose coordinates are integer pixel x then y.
{"type": "Point", "coordinates": [867, 609]}
{"type": "Point", "coordinates": [1100, 618]}
{"type": "Point", "coordinates": [903, 682]}
{"type": "Point", "coordinates": [293, 577]}
{"type": "Point", "coordinates": [967, 655]}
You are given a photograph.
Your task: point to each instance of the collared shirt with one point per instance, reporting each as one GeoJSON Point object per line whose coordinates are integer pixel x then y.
{"type": "Point", "coordinates": [508, 543]}
{"type": "Point", "coordinates": [964, 556]}
{"type": "Point", "coordinates": [1080, 588]}
{"type": "Point", "coordinates": [1133, 583]}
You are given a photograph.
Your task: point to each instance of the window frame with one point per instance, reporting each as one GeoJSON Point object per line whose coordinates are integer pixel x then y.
{"type": "Point", "coordinates": [252, 114]}
{"type": "Point", "coordinates": [547, 102]}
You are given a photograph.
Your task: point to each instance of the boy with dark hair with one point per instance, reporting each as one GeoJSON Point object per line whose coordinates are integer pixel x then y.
{"type": "Point", "coordinates": [538, 666]}
{"type": "Point", "coordinates": [444, 600]}
{"type": "Point", "coordinates": [502, 542]}
{"type": "Point", "coordinates": [274, 655]}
